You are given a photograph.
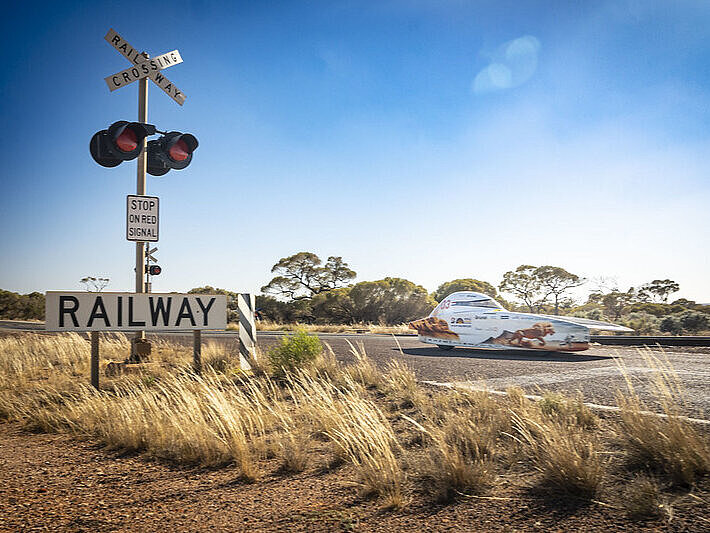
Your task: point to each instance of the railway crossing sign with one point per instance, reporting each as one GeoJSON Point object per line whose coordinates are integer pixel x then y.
{"type": "Point", "coordinates": [143, 67]}
{"type": "Point", "coordinates": [149, 254]}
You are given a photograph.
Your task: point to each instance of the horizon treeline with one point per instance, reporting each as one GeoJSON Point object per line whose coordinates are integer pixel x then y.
{"type": "Point", "coordinates": [308, 290]}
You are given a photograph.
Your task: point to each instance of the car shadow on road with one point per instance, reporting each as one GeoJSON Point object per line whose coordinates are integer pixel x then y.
{"type": "Point", "coordinates": [512, 355]}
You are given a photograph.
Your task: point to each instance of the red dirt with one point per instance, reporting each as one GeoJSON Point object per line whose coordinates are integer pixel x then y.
{"type": "Point", "coordinates": [54, 482]}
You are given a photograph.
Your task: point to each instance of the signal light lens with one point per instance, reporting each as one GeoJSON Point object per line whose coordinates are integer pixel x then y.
{"type": "Point", "coordinates": [173, 151]}
{"type": "Point", "coordinates": [127, 141]}
{"type": "Point", "coordinates": [155, 270]}
{"type": "Point", "coordinates": [179, 151]}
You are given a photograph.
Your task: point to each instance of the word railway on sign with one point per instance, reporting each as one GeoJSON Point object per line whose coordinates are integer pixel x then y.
{"type": "Point", "coordinates": [143, 67]}
{"type": "Point", "coordinates": [116, 311]}
{"type": "Point", "coordinates": [142, 218]}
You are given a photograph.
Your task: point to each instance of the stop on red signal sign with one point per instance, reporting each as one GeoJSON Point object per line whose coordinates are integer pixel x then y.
{"type": "Point", "coordinates": [142, 218]}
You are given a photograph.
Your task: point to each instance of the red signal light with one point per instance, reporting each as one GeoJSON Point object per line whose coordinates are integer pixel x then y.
{"type": "Point", "coordinates": [122, 141]}
{"type": "Point", "coordinates": [173, 151]}
{"type": "Point", "coordinates": [127, 141]}
{"type": "Point", "coordinates": [179, 151]}
{"type": "Point", "coordinates": [155, 270]}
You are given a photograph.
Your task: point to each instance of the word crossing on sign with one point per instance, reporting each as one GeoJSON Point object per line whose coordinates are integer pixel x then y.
{"type": "Point", "coordinates": [142, 218]}
{"type": "Point", "coordinates": [143, 67]}
{"type": "Point", "coordinates": [116, 311]}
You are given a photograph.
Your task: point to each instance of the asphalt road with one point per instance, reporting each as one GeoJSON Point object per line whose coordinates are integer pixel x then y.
{"type": "Point", "coordinates": [595, 372]}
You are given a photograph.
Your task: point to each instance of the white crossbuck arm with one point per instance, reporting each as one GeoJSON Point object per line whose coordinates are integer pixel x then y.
{"type": "Point", "coordinates": [143, 67]}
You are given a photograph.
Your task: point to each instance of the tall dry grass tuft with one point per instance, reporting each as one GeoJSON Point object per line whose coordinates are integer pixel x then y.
{"type": "Point", "coordinates": [566, 456]}
{"type": "Point", "coordinates": [669, 444]}
{"type": "Point", "coordinates": [401, 384]}
{"type": "Point", "coordinates": [359, 430]}
{"type": "Point", "coordinates": [365, 436]}
{"type": "Point", "coordinates": [363, 371]}
{"type": "Point", "coordinates": [565, 409]}
{"type": "Point", "coordinates": [460, 460]}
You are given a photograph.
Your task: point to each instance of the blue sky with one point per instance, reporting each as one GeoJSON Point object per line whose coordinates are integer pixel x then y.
{"type": "Point", "coordinates": [429, 140]}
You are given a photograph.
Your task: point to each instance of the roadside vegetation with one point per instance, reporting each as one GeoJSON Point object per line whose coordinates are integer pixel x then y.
{"type": "Point", "coordinates": [309, 293]}
{"type": "Point", "coordinates": [395, 440]}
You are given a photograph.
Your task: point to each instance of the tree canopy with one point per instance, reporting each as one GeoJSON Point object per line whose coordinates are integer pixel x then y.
{"type": "Point", "coordinates": [14, 306]}
{"type": "Point", "coordinates": [659, 289]}
{"type": "Point", "coordinates": [301, 276]}
{"type": "Point", "coordinates": [536, 286]}
{"type": "Point", "coordinates": [385, 301]}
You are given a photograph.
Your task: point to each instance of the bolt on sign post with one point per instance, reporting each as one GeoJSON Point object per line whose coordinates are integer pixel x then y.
{"type": "Point", "coordinates": [142, 69]}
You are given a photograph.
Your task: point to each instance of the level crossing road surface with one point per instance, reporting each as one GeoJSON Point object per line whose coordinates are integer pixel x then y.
{"type": "Point", "coordinates": [594, 372]}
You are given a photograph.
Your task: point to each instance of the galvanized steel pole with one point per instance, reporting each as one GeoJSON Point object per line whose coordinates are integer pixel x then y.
{"type": "Point", "coordinates": [140, 190]}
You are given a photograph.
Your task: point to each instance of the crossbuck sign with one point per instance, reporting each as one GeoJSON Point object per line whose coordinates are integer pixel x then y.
{"type": "Point", "coordinates": [142, 67]}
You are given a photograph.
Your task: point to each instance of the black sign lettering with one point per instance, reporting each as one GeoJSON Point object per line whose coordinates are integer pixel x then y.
{"type": "Point", "coordinates": [205, 310]}
{"type": "Point", "coordinates": [160, 308]}
{"type": "Point", "coordinates": [62, 310]}
{"type": "Point", "coordinates": [131, 322]}
{"type": "Point", "coordinates": [185, 312]}
{"type": "Point", "coordinates": [98, 303]}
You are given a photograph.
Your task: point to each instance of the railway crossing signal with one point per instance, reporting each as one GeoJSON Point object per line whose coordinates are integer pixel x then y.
{"type": "Point", "coordinates": [172, 151]}
{"type": "Point", "coordinates": [122, 141]}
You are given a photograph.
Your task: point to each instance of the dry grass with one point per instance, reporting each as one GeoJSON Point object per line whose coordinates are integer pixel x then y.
{"type": "Point", "coordinates": [565, 409]}
{"type": "Point", "coordinates": [567, 458]}
{"type": "Point", "coordinates": [451, 443]}
{"type": "Point", "coordinates": [364, 370]}
{"type": "Point", "coordinates": [671, 444]}
{"type": "Point", "coordinates": [268, 325]}
{"type": "Point", "coordinates": [401, 385]}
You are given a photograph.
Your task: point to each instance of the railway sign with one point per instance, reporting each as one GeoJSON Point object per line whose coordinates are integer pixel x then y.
{"type": "Point", "coordinates": [142, 218]}
{"type": "Point", "coordinates": [126, 311]}
{"type": "Point", "coordinates": [143, 67]}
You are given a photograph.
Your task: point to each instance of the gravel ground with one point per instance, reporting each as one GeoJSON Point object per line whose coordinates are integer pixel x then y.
{"type": "Point", "coordinates": [55, 483]}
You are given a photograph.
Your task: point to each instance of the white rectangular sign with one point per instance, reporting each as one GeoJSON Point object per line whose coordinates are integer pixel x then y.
{"type": "Point", "coordinates": [142, 69]}
{"type": "Point", "coordinates": [142, 218]}
{"type": "Point", "coordinates": [126, 311]}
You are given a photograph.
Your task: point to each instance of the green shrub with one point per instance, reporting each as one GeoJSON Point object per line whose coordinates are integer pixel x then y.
{"type": "Point", "coordinates": [642, 323]}
{"type": "Point", "coordinates": [671, 324]}
{"type": "Point", "coordinates": [294, 351]}
{"type": "Point", "coordinates": [694, 321]}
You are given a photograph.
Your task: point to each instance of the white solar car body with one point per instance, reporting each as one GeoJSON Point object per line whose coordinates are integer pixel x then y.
{"type": "Point", "coordinates": [476, 320]}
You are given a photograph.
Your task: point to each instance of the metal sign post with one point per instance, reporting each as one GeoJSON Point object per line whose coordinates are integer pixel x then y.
{"type": "Point", "coordinates": [95, 359]}
{"type": "Point", "coordinates": [143, 68]}
{"type": "Point", "coordinates": [140, 191]}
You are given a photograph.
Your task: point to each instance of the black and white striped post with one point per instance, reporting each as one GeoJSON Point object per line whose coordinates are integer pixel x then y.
{"type": "Point", "coordinates": [246, 303]}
